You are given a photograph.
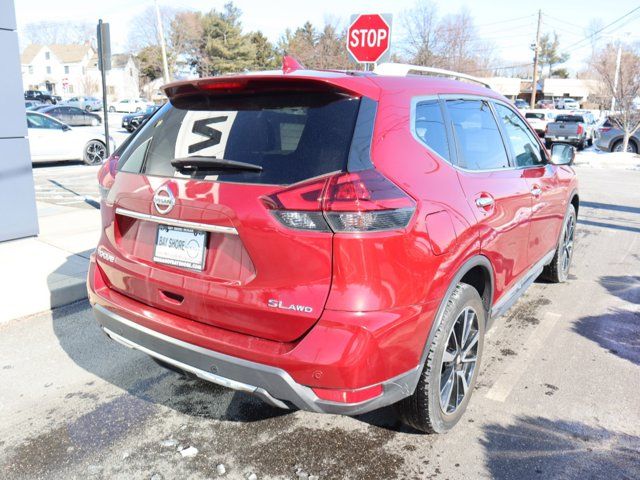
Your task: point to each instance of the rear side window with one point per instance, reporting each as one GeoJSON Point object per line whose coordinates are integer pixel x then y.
{"type": "Point", "coordinates": [539, 116]}
{"type": "Point", "coordinates": [477, 136]}
{"type": "Point", "coordinates": [292, 136]}
{"type": "Point", "coordinates": [429, 127]}
{"type": "Point", "coordinates": [526, 150]}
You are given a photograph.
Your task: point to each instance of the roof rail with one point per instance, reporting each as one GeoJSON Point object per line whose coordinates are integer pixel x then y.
{"type": "Point", "coordinates": [404, 69]}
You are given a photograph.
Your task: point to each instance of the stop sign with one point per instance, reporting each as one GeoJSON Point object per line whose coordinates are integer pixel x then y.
{"type": "Point", "coordinates": [368, 38]}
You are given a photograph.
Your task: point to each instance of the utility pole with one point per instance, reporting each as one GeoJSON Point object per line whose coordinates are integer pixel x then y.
{"type": "Point", "coordinates": [536, 47]}
{"type": "Point", "coordinates": [163, 49]}
{"type": "Point", "coordinates": [616, 76]}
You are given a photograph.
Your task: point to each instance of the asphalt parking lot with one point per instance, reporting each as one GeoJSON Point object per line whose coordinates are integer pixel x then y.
{"type": "Point", "coordinates": [558, 393]}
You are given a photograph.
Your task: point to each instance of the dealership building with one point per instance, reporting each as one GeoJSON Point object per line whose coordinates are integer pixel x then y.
{"type": "Point", "coordinates": [18, 216]}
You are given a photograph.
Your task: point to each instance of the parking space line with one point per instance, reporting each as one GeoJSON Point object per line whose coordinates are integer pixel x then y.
{"type": "Point", "coordinates": [510, 377]}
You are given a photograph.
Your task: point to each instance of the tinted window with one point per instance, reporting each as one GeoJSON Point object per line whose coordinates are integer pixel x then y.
{"type": "Point", "coordinates": [539, 116]}
{"type": "Point", "coordinates": [429, 127]}
{"type": "Point", "coordinates": [478, 140]}
{"type": "Point", "coordinates": [292, 136]}
{"type": "Point", "coordinates": [569, 119]}
{"type": "Point", "coordinates": [40, 121]}
{"type": "Point", "coordinates": [526, 149]}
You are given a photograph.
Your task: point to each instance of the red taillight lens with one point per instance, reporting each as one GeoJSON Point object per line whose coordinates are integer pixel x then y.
{"type": "Point", "coordinates": [107, 175]}
{"type": "Point", "coordinates": [347, 203]}
{"type": "Point", "coordinates": [580, 129]}
{"type": "Point", "coordinates": [366, 202]}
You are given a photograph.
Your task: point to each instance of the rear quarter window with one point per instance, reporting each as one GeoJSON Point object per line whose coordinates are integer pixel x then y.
{"type": "Point", "coordinates": [429, 127]}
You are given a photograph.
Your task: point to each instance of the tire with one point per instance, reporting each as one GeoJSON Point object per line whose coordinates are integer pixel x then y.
{"type": "Point", "coordinates": [631, 147]}
{"type": "Point", "coordinates": [424, 409]}
{"type": "Point", "coordinates": [590, 141]}
{"type": "Point", "coordinates": [94, 152]}
{"type": "Point", "coordinates": [558, 270]}
{"type": "Point", "coordinates": [112, 109]}
{"type": "Point", "coordinates": [581, 145]}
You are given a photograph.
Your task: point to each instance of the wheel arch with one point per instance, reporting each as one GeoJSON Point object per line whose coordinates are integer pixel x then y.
{"type": "Point", "coordinates": [478, 272]}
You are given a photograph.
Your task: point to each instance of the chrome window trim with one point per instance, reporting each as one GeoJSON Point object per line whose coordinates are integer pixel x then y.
{"type": "Point", "coordinates": [176, 223]}
{"type": "Point", "coordinates": [453, 96]}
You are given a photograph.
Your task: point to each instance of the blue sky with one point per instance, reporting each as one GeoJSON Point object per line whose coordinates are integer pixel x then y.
{"type": "Point", "coordinates": [510, 37]}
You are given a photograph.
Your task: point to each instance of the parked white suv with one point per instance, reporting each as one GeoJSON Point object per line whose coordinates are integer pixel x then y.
{"type": "Point", "coordinates": [129, 105]}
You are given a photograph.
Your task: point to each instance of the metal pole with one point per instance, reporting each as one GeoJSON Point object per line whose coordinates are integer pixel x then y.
{"type": "Point", "coordinates": [617, 76]}
{"type": "Point", "coordinates": [163, 49]}
{"type": "Point", "coordinates": [534, 86]}
{"type": "Point", "coordinates": [103, 76]}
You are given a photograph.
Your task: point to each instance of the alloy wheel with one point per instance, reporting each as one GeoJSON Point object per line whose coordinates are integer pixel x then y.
{"type": "Point", "coordinates": [567, 243]}
{"type": "Point", "coordinates": [95, 152]}
{"type": "Point", "coordinates": [459, 361]}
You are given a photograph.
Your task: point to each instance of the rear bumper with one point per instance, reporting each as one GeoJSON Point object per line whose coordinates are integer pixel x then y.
{"type": "Point", "coordinates": [276, 385]}
{"type": "Point", "coordinates": [571, 140]}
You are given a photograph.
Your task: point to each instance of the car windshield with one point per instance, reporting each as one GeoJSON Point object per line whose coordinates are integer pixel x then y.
{"type": "Point", "coordinates": [569, 119]}
{"type": "Point", "coordinates": [539, 116]}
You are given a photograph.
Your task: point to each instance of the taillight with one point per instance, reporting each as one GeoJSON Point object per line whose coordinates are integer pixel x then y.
{"type": "Point", "coordinates": [580, 129]}
{"type": "Point", "coordinates": [366, 202]}
{"type": "Point", "coordinates": [356, 202]}
{"type": "Point", "coordinates": [604, 129]}
{"type": "Point", "coordinates": [107, 175]}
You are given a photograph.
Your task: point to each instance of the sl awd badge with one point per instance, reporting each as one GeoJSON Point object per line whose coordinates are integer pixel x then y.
{"type": "Point", "coordinates": [296, 308]}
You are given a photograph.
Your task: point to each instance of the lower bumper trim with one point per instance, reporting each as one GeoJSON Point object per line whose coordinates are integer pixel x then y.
{"type": "Point", "coordinates": [274, 385]}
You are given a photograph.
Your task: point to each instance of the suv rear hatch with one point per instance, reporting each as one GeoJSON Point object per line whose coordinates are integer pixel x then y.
{"type": "Point", "coordinates": [230, 233]}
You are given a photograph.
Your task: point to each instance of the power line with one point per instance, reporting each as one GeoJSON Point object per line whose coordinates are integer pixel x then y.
{"type": "Point", "coordinates": [577, 44]}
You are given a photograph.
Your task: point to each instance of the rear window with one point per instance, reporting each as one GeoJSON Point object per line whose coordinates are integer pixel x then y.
{"type": "Point", "coordinates": [292, 136]}
{"type": "Point", "coordinates": [539, 116]}
{"type": "Point", "coordinates": [569, 119]}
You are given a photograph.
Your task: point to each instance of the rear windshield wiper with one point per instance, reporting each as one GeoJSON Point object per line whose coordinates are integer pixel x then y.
{"type": "Point", "coordinates": [202, 164]}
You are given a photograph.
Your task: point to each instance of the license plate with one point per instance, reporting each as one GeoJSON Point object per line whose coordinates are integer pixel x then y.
{"type": "Point", "coordinates": [180, 247]}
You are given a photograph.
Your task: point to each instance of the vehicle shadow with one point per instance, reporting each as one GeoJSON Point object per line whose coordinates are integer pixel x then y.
{"type": "Point", "coordinates": [134, 372]}
{"type": "Point", "coordinates": [536, 447]}
{"type": "Point", "coordinates": [617, 331]}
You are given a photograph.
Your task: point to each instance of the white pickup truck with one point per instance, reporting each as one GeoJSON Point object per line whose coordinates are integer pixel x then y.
{"type": "Point", "coordinates": [575, 128]}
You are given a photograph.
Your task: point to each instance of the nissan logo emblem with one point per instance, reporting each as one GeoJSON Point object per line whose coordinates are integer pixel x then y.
{"type": "Point", "coordinates": [163, 199]}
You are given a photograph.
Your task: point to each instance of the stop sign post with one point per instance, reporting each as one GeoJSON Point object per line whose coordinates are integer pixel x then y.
{"type": "Point", "coordinates": [369, 37]}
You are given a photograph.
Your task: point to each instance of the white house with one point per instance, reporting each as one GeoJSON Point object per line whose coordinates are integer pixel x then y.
{"type": "Point", "coordinates": [60, 69]}
{"type": "Point", "coordinates": [69, 70]}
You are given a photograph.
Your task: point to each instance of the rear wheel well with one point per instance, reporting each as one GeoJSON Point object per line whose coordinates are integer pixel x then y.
{"type": "Point", "coordinates": [480, 279]}
{"type": "Point", "coordinates": [575, 201]}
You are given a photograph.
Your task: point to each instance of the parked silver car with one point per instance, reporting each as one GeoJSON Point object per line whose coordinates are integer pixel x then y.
{"type": "Point", "coordinates": [85, 103]}
{"type": "Point", "coordinates": [610, 139]}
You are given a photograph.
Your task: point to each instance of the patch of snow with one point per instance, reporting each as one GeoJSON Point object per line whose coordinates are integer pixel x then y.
{"type": "Point", "coordinates": [189, 452]}
{"type": "Point", "coordinates": [593, 158]}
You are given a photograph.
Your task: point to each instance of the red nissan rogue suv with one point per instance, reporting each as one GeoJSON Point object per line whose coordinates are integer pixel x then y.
{"type": "Point", "coordinates": [330, 241]}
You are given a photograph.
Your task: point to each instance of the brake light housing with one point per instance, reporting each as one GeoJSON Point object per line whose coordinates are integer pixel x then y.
{"type": "Point", "coordinates": [351, 202]}
{"type": "Point", "coordinates": [107, 175]}
{"type": "Point", "coordinates": [580, 129]}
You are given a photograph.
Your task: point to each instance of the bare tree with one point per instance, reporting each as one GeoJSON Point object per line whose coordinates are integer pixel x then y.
{"type": "Point", "coordinates": [450, 42]}
{"type": "Point", "coordinates": [627, 88]}
{"type": "Point", "coordinates": [62, 32]}
{"type": "Point", "coordinates": [421, 43]}
{"type": "Point", "coordinates": [89, 84]}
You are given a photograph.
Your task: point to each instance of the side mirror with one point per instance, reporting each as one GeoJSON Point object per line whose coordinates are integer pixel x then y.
{"type": "Point", "coordinates": [66, 128]}
{"type": "Point", "coordinates": [562, 154]}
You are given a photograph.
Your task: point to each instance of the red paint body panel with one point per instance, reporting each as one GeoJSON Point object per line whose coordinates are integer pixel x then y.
{"type": "Point", "coordinates": [372, 296]}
